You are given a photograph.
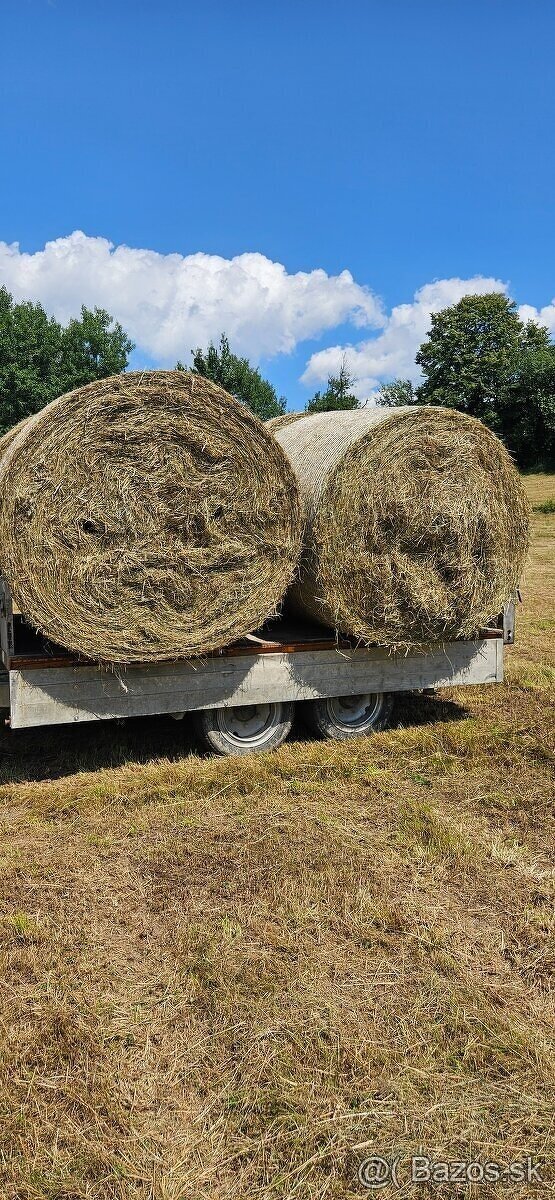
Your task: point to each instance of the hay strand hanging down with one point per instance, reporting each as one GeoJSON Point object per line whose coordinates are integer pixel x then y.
{"type": "Point", "coordinates": [145, 517]}
{"type": "Point", "coordinates": [416, 523]}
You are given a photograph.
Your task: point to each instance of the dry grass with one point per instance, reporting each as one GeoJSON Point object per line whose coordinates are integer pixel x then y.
{"type": "Point", "coordinates": [145, 517]}
{"type": "Point", "coordinates": [237, 978]}
{"type": "Point", "coordinates": [416, 525]}
{"type": "Point", "coordinates": [285, 419]}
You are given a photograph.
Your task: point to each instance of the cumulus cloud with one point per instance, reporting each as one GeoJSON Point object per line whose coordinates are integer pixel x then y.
{"type": "Point", "coordinates": [170, 303]}
{"type": "Point", "coordinates": [542, 316]}
{"type": "Point", "coordinates": [391, 354]}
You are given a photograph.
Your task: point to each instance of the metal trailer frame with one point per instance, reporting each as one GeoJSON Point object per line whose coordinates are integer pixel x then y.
{"type": "Point", "coordinates": [44, 685]}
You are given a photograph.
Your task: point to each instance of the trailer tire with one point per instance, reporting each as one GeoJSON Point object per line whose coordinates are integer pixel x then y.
{"type": "Point", "coordinates": [244, 729]}
{"type": "Point", "coordinates": [343, 717]}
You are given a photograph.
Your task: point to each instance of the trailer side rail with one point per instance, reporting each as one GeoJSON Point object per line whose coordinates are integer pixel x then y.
{"type": "Point", "coordinates": [60, 695]}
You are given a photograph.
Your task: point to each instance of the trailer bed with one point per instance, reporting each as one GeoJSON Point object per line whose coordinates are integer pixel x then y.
{"type": "Point", "coordinates": [53, 692]}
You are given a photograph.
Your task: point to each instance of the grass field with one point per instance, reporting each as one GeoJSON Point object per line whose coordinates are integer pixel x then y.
{"type": "Point", "coordinates": [238, 978]}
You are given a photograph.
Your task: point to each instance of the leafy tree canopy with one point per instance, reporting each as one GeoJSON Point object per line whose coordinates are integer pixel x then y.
{"type": "Point", "coordinates": [479, 357]}
{"type": "Point", "coordinates": [338, 393]}
{"type": "Point", "coordinates": [41, 359]}
{"type": "Point", "coordinates": [237, 377]}
{"type": "Point", "coordinates": [397, 393]}
{"type": "Point", "coordinates": [94, 347]}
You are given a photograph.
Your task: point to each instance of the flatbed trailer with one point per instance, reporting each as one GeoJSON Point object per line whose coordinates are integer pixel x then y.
{"type": "Point", "coordinates": [243, 697]}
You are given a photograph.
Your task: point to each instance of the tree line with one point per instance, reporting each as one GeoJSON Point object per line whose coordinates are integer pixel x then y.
{"type": "Point", "coordinates": [40, 358]}
{"type": "Point", "coordinates": [479, 357]}
{"type": "Point", "coordinates": [482, 359]}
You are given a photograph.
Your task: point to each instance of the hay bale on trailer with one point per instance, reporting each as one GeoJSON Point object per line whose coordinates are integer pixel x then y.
{"type": "Point", "coordinates": [145, 517]}
{"type": "Point", "coordinates": [416, 523]}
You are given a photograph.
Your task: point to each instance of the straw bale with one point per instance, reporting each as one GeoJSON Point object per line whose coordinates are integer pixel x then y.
{"type": "Point", "coordinates": [415, 522]}
{"type": "Point", "coordinates": [145, 517]}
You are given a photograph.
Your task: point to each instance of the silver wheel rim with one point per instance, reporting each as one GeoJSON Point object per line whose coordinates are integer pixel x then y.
{"type": "Point", "coordinates": [249, 724]}
{"type": "Point", "coordinates": [355, 712]}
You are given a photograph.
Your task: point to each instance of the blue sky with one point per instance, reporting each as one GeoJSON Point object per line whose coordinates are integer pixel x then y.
{"type": "Point", "coordinates": [404, 142]}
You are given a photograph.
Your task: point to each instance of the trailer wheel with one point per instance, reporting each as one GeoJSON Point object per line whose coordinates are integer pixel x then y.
{"type": "Point", "coordinates": [244, 729]}
{"type": "Point", "coordinates": [342, 717]}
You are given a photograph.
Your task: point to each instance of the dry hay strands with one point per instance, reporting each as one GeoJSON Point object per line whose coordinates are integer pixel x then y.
{"type": "Point", "coordinates": [284, 419]}
{"type": "Point", "coordinates": [145, 517]}
{"type": "Point", "coordinates": [416, 523]}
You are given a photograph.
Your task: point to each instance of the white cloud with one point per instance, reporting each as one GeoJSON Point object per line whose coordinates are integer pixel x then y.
{"type": "Point", "coordinates": [542, 316]}
{"type": "Point", "coordinates": [392, 353]}
{"type": "Point", "coordinates": [170, 304]}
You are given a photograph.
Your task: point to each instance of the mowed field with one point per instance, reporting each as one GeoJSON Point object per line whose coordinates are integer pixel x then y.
{"type": "Point", "coordinates": [238, 978]}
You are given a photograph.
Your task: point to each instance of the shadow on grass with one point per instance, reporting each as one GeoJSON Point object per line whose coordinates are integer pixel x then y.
{"type": "Point", "coordinates": [28, 755]}
{"type": "Point", "coordinates": [410, 710]}
{"type": "Point", "coordinates": [52, 752]}
{"type": "Point", "coordinates": [413, 709]}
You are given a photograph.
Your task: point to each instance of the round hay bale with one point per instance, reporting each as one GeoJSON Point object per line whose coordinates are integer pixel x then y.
{"type": "Point", "coordinates": [416, 523]}
{"type": "Point", "coordinates": [284, 419]}
{"type": "Point", "coordinates": [145, 517]}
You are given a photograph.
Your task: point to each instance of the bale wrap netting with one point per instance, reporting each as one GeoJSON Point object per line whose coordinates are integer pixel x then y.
{"type": "Point", "coordinates": [416, 523]}
{"type": "Point", "coordinates": [147, 516]}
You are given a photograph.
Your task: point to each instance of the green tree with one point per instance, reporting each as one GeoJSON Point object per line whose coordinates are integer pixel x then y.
{"type": "Point", "coordinates": [479, 357]}
{"type": "Point", "coordinates": [529, 410]}
{"type": "Point", "coordinates": [40, 359]}
{"type": "Point", "coordinates": [397, 393]}
{"type": "Point", "coordinates": [338, 393]}
{"type": "Point", "coordinates": [237, 377]}
{"type": "Point", "coordinates": [93, 348]}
